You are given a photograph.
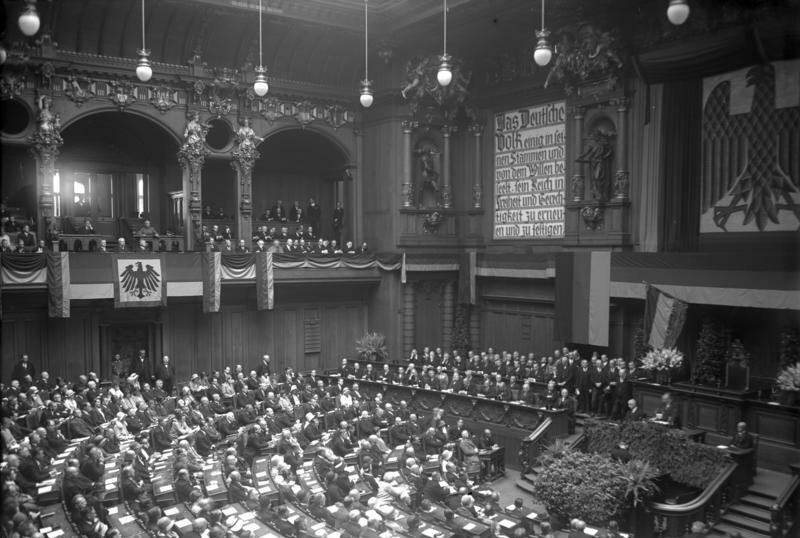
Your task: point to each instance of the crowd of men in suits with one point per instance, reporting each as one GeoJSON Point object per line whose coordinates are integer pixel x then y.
{"type": "Point", "coordinates": [234, 414]}
{"type": "Point", "coordinates": [143, 410]}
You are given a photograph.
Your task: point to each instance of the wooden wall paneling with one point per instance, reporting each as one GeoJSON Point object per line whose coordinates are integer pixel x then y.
{"type": "Point", "coordinates": [312, 340]}
{"type": "Point", "coordinates": [517, 326]}
{"type": "Point", "coordinates": [428, 314]}
{"type": "Point", "coordinates": [382, 183]}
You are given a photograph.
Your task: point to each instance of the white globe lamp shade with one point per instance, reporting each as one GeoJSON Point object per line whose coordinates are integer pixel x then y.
{"type": "Point", "coordinates": [678, 11]}
{"type": "Point", "coordinates": [366, 98]}
{"type": "Point", "coordinates": [143, 70]}
{"type": "Point", "coordinates": [543, 52]}
{"type": "Point", "coordinates": [444, 76]}
{"type": "Point", "coordinates": [29, 21]}
{"type": "Point", "coordinates": [3, 55]}
{"type": "Point", "coordinates": [542, 56]}
{"type": "Point", "coordinates": [260, 86]}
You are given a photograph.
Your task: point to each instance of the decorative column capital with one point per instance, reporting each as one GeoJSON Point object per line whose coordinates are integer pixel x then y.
{"type": "Point", "coordinates": [576, 112]}
{"type": "Point", "coordinates": [408, 126]}
{"type": "Point", "coordinates": [448, 130]}
{"type": "Point", "coordinates": [622, 104]}
{"type": "Point", "coordinates": [476, 129]}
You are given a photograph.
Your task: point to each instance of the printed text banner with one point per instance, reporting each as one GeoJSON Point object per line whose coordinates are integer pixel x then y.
{"type": "Point", "coordinates": [530, 146]}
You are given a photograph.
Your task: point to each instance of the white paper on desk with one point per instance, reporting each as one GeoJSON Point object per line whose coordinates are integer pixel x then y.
{"type": "Point", "coordinates": [56, 533]}
{"type": "Point", "coordinates": [532, 515]}
{"type": "Point", "coordinates": [399, 447]}
{"type": "Point", "coordinates": [511, 507]}
{"type": "Point", "coordinates": [229, 511]}
{"type": "Point", "coordinates": [261, 474]}
{"type": "Point", "coordinates": [182, 522]}
{"type": "Point", "coordinates": [469, 526]}
{"type": "Point", "coordinates": [296, 489]}
{"type": "Point", "coordinates": [392, 459]}
{"type": "Point", "coordinates": [506, 523]}
{"type": "Point", "coordinates": [308, 463]}
{"type": "Point", "coordinates": [265, 489]}
{"type": "Point", "coordinates": [318, 526]}
{"type": "Point", "coordinates": [58, 462]}
{"type": "Point", "coordinates": [624, 534]}
{"type": "Point", "coordinates": [247, 516]}
{"type": "Point", "coordinates": [112, 471]}
{"type": "Point", "coordinates": [590, 531]}
{"type": "Point", "coordinates": [430, 532]}
{"type": "Point", "coordinates": [48, 482]}
{"type": "Point", "coordinates": [387, 534]}
{"type": "Point", "coordinates": [109, 486]}
{"type": "Point", "coordinates": [291, 519]}
{"type": "Point", "coordinates": [252, 527]}
{"type": "Point", "coordinates": [171, 511]}
{"type": "Point", "coordinates": [113, 510]}
{"type": "Point", "coordinates": [336, 534]}
{"type": "Point", "coordinates": [212, 484]}
{"type": "Point", "coordinates": [45, 489]}
{"type": "Point", "coordinates": [45, 530]}
{"type": "Point", "coordinates": [124, 520]}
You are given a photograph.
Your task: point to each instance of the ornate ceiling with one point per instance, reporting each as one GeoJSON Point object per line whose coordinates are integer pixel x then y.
{"type": "Point", "coordinates": [321, 41]}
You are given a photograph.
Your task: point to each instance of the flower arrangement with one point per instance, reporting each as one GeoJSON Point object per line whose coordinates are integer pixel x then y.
{"type": "Point", "coordinates": [789, 378]}
{"type": "Point", "coordinates": [662, 359]}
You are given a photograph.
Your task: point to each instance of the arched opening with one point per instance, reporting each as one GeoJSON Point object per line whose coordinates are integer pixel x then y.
{"type": "Point", "coordinates": [295, 166]}
{"type": "Point", "coordinates": [116, 168]}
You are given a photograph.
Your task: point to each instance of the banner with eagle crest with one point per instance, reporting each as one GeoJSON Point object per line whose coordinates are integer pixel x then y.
{"type": "Point", "coordinates": [139, 280]}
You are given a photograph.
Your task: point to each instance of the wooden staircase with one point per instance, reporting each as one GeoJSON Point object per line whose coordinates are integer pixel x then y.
{"type": "Point", "coordinates": [526, 481]}
{"type": "Point", "coordinates": [750, 517]}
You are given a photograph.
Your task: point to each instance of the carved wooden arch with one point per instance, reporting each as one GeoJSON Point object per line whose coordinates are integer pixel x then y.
{"type": "Point", "coordinates": [83, 114]}
{"type": "Point", "coordinates": [330, 135]}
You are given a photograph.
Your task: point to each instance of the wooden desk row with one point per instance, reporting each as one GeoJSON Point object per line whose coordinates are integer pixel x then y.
{"type": "Point", "coordinates": [514, 414]}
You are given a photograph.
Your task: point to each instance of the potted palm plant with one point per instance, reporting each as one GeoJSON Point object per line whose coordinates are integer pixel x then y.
{"type": "Point", "coordinates": [372, 347]}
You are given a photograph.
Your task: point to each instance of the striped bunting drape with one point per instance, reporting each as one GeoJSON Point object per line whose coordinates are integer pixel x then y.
{"type": "Point", "coordinates": [58, 281]}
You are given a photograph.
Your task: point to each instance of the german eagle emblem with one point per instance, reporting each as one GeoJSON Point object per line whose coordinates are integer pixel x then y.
{"type": "Point", "coordinates": [139, 282]}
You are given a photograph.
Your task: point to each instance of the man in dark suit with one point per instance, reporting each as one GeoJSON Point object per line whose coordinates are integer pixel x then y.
{"type": "Point", "coordinates": [669, 411]}
{"type": "Point", "coordinates": [623, 393]}
{"type": "Point", "coordinates": [436, 489]}
{"type": "Point", "coordinates": [583, 386]}
{"type": "Point", "coordinates": [141, 367]}
{"type": "Point", "coordinates": [742, 438]}
{"type": "Point", "coordinates": [166, 372]}
{"type": "Point", "coordinates": [565, 401]}
{"type": "Point", "coordinates": [634, 411]}
{"type": "Point", "coordinates": [23, 368]}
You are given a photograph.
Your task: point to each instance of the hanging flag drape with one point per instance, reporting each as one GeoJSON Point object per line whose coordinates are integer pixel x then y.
{"type": "Point", "coordinates": [212, 281]}
{"type": "Point", "coordinates": [466, 277]}
{"type": "Point", "coordinates": [582, 297]}
{"type": "Point", "coordinates": [140, 280]}
{"type": "Point", "coordinates": [265, 281]}
{"type": "Point", "coordinates": [58, 281]}
{"type": "Point", "coordinates": [664, 316]}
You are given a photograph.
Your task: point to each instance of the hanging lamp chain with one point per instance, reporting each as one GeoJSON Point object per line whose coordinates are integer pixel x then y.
{"type": "Point", "coordinates": [543, 14]}
{"type": "Point", "coordinates": [366, 39]}
{"type": "Point", "coordinates": [144, 47]}
{"type": "Point", "coordinates": [444, 44]}
{"type": "Point", "coordinates": [260, 45]}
